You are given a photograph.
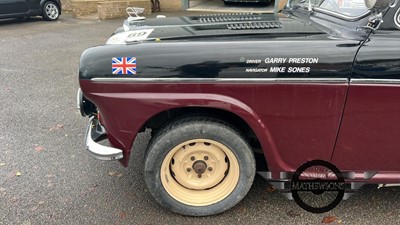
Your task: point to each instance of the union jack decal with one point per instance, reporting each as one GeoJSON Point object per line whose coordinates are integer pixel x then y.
{"type": "Point", "coordinates": [124, 65]}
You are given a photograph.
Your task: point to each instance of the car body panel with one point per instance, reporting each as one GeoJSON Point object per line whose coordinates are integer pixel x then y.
{"type": "Point", "coordinates": [21, 8]}
{"type": "Point", "coordinates": [218, 58]}
{"type": "Point", "coordinates": [14, 6]}
{"type": "Point", "coordinates": [322, 111]}
{"type": "Point", "coordinates": [370, 131]}
{"type": "Point", "coordinates": [284, 113]}
{"type": "Point", "coordinates": [303, 112]}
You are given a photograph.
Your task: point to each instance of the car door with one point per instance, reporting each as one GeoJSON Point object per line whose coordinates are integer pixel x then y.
{"type": "Point", "coordinates": [9, 7]}
{"type": "Point", "coordinates": [369, 138]}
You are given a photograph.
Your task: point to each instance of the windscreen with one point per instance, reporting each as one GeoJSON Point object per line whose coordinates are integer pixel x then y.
{"type": "Point", "coordinates": [345, 7]}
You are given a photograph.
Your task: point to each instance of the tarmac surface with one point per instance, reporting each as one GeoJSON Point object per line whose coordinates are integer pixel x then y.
{"type": "Point", "coordinates": [47, 178]}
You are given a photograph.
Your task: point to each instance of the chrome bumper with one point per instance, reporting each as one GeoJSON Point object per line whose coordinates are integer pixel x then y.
{"type": "Point", "coordinates": [96, 150]}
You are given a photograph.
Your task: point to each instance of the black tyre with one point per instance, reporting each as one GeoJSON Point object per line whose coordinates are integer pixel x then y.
{"type": "Point", "coordinates": [199, 167]}
{"type": "Point", "coordinates": [50, 11]}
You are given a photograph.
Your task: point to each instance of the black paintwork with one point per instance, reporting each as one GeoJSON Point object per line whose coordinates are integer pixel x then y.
{"type": "Point", "coordinates": [215, 24]}
{"type": "Point", "coordinates": [222, 58]}
{"type": "Point", "coordinates": [14, 6]}
{"type": "Point", "coordinates": [379, 58]}
{"type": "Point", "coordinates": [215, 51]}
{"type": "Point", "coordinates": [21, 8]}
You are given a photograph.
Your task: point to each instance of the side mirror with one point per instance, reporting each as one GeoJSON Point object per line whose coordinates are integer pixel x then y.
{"type": "Point", "coordinates": [377, 4]}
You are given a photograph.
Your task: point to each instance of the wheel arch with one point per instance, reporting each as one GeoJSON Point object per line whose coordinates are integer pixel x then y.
{"type": "Point", "coordinates": [58, 3]}
{"type": "Point", "coordinates": [163, 118]}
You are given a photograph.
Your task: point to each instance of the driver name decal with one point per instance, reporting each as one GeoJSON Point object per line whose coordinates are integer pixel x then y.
{"type": "Point", "coordinates": [280, 65]}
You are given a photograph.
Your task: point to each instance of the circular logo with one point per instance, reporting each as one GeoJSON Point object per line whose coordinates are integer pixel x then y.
{"type": "Point", "coordinates": [397, 18]}
{"type": "Point", "coordinates": [318, 186]}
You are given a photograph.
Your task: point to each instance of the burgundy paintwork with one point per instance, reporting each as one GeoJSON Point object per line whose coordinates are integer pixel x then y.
{"type": "Point", "coordinates": [369, 137]}
{"type": "Point", "coordinates": [294, 122]}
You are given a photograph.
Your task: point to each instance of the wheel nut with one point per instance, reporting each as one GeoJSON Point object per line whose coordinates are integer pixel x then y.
{"type": "Point", "coordinates": [192, 158]}
{"type": "Point", "coordinates": [188, 169]}
{"type": "Point", "coordinates": [210, 169]}
{"type": "Point", "coordinates": [199, 176]}
{"type": "Point", "coordinates": [205, 157]}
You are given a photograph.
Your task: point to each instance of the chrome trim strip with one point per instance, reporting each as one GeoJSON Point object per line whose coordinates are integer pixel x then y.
{"type": "Point", "coordinates": [222, 80]}
{"type": "Point", "coordinates": [99, 151]}
{"type": "Point", "coordinates": [341, 16]}
{"type": "Point", "coordinates": [266, 175]}
{"type": "Point", "coordinates": [347, 195]}
{"type": "Point", "coordinates": [375, 81]}
{"type": "Point", "coordinates": [78, 99]}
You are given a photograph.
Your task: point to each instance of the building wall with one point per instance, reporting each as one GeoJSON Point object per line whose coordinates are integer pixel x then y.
{"type": "Point", "coordinates": [117, 9]}
{"type": "Point", "coordinates": [280, 4]}
{"type": "Point", "coordinates": [66, 5]}
{"type": "Point", "coordinates": [171, 5]}
{"type": "Point", "coordinates": [83, 7]}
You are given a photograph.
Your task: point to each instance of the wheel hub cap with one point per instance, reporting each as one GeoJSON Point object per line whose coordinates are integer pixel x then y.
{"type": "Point", "coordinates": [51, 11]}
{"type": "Point", "coordinates": [199, 167]}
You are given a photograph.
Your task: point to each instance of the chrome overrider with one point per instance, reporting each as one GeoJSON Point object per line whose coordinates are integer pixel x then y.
{"type": "Point", "coordinates": [97, 150]}
{"type": "Point", "coordinates": [95, 132]}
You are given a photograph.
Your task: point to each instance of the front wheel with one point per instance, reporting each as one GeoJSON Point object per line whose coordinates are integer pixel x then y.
{"type": "Point", "coordinates": [199, 167]}
{"type": "Point", "coordinates": [50, 11]}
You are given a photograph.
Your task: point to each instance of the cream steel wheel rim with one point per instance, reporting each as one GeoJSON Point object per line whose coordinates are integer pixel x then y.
{"type": "Point", "coordinates": [200, 172]}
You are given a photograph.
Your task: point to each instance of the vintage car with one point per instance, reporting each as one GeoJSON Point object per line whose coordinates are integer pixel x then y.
{"type": "Point", "coordinates": [49, 9]}
{"type": "Point", "coordinates": [228, 95]}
